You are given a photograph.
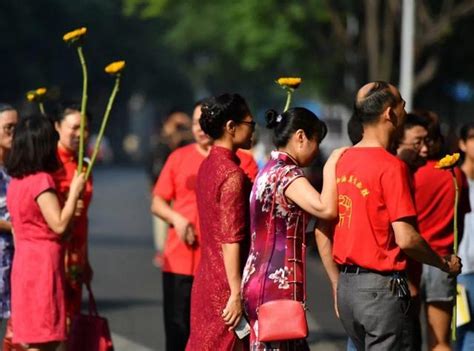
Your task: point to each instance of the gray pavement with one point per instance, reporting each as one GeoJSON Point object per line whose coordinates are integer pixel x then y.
{"type": "Point", "coordinates": [128, 287]}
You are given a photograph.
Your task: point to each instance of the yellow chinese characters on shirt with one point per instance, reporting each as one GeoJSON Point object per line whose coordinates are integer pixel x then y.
{"type": "Point", "coordinates": [345, 202]}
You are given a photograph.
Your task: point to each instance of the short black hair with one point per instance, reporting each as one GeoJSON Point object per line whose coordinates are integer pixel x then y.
{"type": "Point", "coordinates": [437, 147]}
{"type": "Point", "coordinates": [355, 130]}
{"type": "Point", "coordinates": [65, 108]}
{"type": "Point", "coordinates": [415, 120]}
{"type": "Point", "coordinates": [6, 107]}
{"type": "Point", "coordinates": [464, 131]}
{"type": "Point", "coordinates": [218, 110]}
{"type": "Point", "coordinates": [411, 120]}
{"type": "Point", "coordinates": [284, 125]}
{"type": "Point", "coordinates": [34, 147]}
{"type": "Point", "coordinates": [368, 108]}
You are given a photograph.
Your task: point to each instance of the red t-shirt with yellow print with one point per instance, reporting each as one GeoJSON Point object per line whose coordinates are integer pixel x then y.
{"type": "Point", "coordinates": [373, 191]}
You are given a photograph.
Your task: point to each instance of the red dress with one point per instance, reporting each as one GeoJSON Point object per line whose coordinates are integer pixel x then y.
{"type": "Point", "coordinates": [76, 259]}
{"type": "Point", "coordinates": [38, 309]}
{"type": "Point", "coordinates": [177, 184]}
{"type": "Point", "coordinates": [222, 191]}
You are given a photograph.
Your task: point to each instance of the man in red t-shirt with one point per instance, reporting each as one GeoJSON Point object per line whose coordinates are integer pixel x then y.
{"type": "Point", "coordinates": [434, 199]}
{"type": "Point", "coordinates": [376, 227]}
{"type": "Point", "coordinates": [411, 146]}
{"type": "Point", "coordinates": [174, 200]}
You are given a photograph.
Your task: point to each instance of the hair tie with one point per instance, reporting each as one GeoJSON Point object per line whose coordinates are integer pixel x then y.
{"type": "Point", "coordinates": [279, 118]}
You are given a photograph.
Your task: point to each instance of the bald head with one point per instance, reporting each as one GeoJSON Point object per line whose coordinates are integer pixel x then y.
{"type": "Point", "coordinates": [373, 99]}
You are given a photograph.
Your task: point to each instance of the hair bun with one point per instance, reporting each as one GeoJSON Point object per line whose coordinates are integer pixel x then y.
{"type": "Point", "coordinates": [273, 118]}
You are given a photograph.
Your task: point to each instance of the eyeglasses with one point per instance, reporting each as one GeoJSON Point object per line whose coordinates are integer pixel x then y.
{"type": "Point", "coordinates": [418, 144]}
{"type": "Point", "coordinates": [9, 128]}
{"type": "Point", "coordinates": [252, 124]}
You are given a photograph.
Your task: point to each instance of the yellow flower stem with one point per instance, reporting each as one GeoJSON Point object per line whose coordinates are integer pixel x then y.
{"type": "Point", "coordinates": [288, 100]}
{"type": "Point", "coordinates": [41, 107]}
{"type": "Point", "coordinates": [455, 250]}
{"type": "Point", "coordinates": [103, 125]}
{"type": "Point", "coordinates": [83, 108]}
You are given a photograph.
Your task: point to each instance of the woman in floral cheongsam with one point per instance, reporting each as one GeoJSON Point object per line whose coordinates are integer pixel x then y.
{"type": "Point", "coordinates": [280, 200]}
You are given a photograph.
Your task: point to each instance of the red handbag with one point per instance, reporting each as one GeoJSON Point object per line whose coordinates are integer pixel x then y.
{"type": "Point", "coordinates": [90, 331]}
{"type": "Point", "coordinates": [284, 319]}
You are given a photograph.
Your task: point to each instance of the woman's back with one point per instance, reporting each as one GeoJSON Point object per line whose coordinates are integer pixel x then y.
{"type": "Point", "coordinates": [37, 264]}
{"type": "Point", "coordinates": [26, 215]}
{"type": "Point", "coordinates": [277, 229]}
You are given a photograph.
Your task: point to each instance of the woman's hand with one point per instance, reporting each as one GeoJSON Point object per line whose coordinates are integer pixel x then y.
{"type": "Point", "coordinates": [79, 208]}
{"type": "Point", "coordinates": [77, 184]}
{"type": "Point", "coordinates": [336, 155]}
{"type": "Point", "coordinates": [232, 311]}
{"type": "Point", "coordinates": [184, 229]}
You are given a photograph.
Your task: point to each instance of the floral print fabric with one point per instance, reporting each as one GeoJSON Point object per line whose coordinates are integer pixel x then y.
{"type": "Point", "coordinates": [274, 268]}
{"type": "Point", "coordinates": [6, 249]}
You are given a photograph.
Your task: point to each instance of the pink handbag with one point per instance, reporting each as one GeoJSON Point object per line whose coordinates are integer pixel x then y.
{"type": "Point", "coordinates": [284, 319]}
{"type": "Point", "coordinates": [90, 331]}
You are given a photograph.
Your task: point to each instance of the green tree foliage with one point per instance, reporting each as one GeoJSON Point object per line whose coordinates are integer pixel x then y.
{"type": "Point", "coordinates": [336, 45]}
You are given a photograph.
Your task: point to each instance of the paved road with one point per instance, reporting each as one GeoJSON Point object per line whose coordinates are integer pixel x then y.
{"type": "Point", "coordinates": [128, 287]}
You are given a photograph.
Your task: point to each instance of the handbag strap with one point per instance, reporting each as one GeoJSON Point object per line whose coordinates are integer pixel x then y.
{"type": "Point", "coordinates": [92, 303]}
{"type": "Point", "coordinates": [294, 237]}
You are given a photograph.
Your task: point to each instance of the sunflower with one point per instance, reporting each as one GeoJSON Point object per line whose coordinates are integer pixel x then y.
{"type": "Point", "coordinates": [289, 82]}
{"type": "Point", "coordinates": [115, 67]}
{"type": "Point", "coordinates": [448, 161]}
{"type": "Point", "coordinates": [75, 35]}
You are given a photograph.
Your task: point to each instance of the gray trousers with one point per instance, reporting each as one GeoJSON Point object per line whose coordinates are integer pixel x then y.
{"type": "Point", "coordinates": [372, 316]}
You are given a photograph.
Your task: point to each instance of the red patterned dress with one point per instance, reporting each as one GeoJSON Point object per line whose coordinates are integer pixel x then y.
{"type": "Point", "coordinates": [274, 268]}
{"type": "Point", "coordinates": [222, 191]}
{"type": "Point", "coordinates": [76, 258]}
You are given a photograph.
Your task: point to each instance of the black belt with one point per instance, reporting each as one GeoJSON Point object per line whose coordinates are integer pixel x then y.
{"type": "Point", "coordinates": [345, 268]}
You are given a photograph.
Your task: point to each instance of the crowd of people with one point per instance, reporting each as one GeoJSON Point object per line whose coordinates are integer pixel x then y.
{"type": "Point", "coordinates": [384, 226]}
{"type": "Point", "coordinates": [236, 235]}
{"type": "Point", "coordinates": [44, 227]}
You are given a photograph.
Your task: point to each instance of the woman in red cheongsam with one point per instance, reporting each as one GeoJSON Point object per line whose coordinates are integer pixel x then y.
{"type": "Point", "coordinates": [77, 266]}
{"type": "Point", "coordinates": [222, 190]}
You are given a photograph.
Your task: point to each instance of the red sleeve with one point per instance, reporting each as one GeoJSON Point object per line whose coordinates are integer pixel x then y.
{"type": "Point", "coordinates": [40, 183]}
{"type": "Point", "coordinates": [248, 164]}
{"type": "Point", "coordinates": [165, 185]}
{"type": "Point", "coordinates": [396, 192]}
{"type": "Point", "coordinates": [233, 209]}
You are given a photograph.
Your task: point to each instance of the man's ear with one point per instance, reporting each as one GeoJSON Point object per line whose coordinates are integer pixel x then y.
{"type": "Point", "coordinates": [390, 115]}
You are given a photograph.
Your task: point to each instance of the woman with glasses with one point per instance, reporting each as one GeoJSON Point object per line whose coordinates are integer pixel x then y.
{"type": "Point", "coordinates": [280, 200]}
{"type": "Point", "coordinates": [222, 190]}
{"type": "Point", "coordinates": [434, 198]}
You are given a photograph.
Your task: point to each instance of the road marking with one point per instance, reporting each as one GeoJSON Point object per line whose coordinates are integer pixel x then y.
{"type": "Point", "coordinates": [121, 343]}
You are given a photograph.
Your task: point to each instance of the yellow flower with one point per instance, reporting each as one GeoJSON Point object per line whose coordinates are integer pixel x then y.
{"type": "Point", "coordinates": [448, 161]}
{"type": "Point", "coordinates": [289, 82]}
{"type": "Point", "coordinates": [75, 35]}
{"type": "Point", "coordinates": [41, 91]}
{"type": "Point", "coordinates": [31, 95]}
{"type": "Point", "coordinates": [115, 67]}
